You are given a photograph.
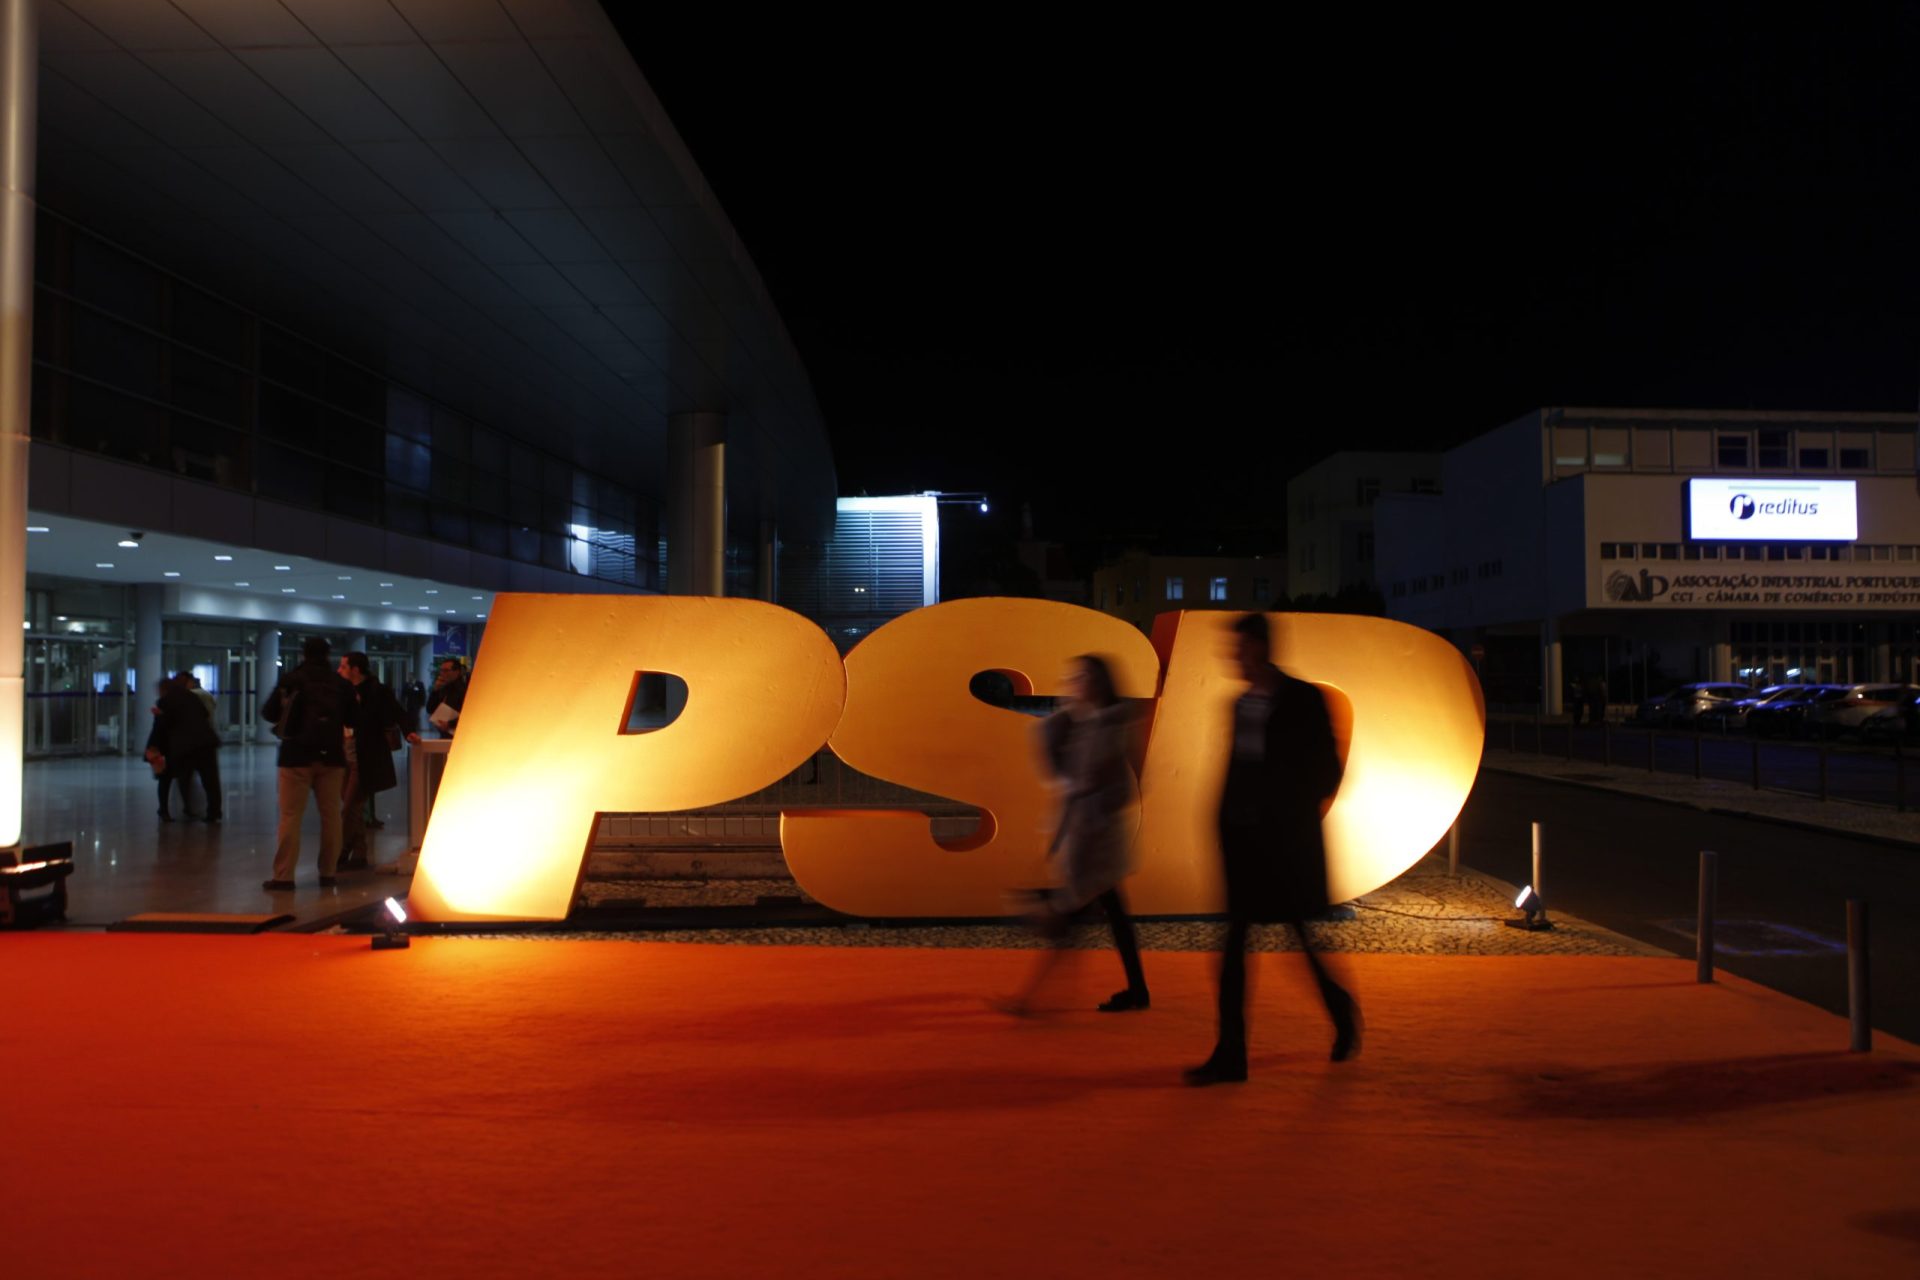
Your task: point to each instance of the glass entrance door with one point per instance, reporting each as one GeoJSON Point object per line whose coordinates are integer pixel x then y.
{"type": "Point", "coordinates": [77, 699]}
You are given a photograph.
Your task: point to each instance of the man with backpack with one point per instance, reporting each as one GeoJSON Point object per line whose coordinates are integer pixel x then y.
{"type": "Point", "coordinates": [310, 708]}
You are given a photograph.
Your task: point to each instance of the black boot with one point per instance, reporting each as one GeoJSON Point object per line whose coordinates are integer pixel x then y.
{"type": "Point", "coordinates": [1125, 1001]}
{"type": "Point", "coordinates": [1226, 1066]}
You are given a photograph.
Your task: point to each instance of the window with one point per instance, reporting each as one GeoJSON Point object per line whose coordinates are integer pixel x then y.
{"type": "Point", "coordinates": [1608, 551]}
{"type": "Point", "coordinates": [1733, 451]}
{"type": "Point", "coordinates": [1366, 491]}
{"type": "Point", "coordinates": [1262, 590]}
{"type": "Point", "coordinates": [1424, 484]}
{"type": "Point", "coordinates": [1690, 552]}
{"type": "Point", "coordinates": [1120, 593]}
{"type": "Point", "coordinates": [1306, 556]}
{"type": "Point", "coordinates": [1103, 597]}
{"type": "Point", "coordinates": [1856, 459]}
{"type": "Point", "coordinates": [1906, 553]}
{"type": "Point", "coordinates": [1217, 589]}
{"type": "Point", "coordinates": [1363, 547]}
{"type": "Point", "coordinates": [1815, 459]}
{"type": "Point", "coordinates": [1399, 590]}
{"type": "Point", "coordinates": [1774, 451]}
{"type": "Point", "coordinates": [1176, 588]}
{"type": "Point", "coordinates": [1140, 590]}
{"type": "Point", "coordinates": [1419, 586]}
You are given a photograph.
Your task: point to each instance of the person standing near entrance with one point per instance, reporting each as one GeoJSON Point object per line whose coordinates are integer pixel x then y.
{"type": "Point", "coordinates": [371, 736]}
{"type": "Point", "coordinates": [310, 709]}
{"type": "Point", "coordinates": [1283, 767]}
{"type": "Point", "coordinates": [449, 695]}
{"type": "Point", "coordinates": [185, 744]}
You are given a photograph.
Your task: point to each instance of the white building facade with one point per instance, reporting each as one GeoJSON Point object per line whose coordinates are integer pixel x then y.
{"type": "Point", "coordinates": [1653, 547]}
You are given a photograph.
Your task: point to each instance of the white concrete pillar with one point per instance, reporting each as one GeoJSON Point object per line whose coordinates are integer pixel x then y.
{"type": "Point", "coordinates": [19, 124]}
{"type": "Point", "coordinates": [149, 664]}
{"type": "Point", "coordinates": [697, 504]}
{"type": "Point", "coordinates": [356, 643]}
{"type": "Point", "coordinates": [1721, 660]}
{"type": "Point", "coordinates": [423, 661]}
{"type": "Point", "coordinates": [1552, 673]}
{"type": "Point", "coordinates": [266, 674]}
{"type": "Point", "coordinates": [1881, 644]}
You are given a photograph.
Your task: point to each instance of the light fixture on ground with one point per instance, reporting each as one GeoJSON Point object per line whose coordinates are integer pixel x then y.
{"type": "Point", "coordinates": [1535, 908]}
{"type": "Point", "coordinates": [393, 935]}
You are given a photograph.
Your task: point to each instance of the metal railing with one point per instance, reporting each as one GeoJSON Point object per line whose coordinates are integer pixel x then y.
{"type": "Point", "coordinates": [1863, 773]}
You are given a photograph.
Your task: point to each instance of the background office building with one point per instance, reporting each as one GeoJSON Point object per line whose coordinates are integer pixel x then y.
{"type": "Point", "coordinates": [347, 317]}
{"type": "Point", "coordinates": [1666, 546]}
{"type": "Point", "coordinates": [1139, 586]}
{"type": "Point", "coordinates": [1330, 538]}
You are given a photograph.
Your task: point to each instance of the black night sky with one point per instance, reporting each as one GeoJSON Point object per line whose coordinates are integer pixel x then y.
{"type": "Point", "coordinates": [1138, 275]}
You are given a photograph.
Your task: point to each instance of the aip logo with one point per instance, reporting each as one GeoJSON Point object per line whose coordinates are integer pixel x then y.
{"type": "Point", "coordinates": [1741, 506]}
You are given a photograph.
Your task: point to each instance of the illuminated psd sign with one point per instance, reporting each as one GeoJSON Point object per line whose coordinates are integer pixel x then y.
{"type": "Point", "coordinates": [543, 748]}
{"type": "Point", "coordinates": [1783, 510]}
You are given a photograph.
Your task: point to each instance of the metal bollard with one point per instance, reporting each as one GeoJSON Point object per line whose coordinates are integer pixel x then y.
{"type": "Point", "coordinates": [1703, 928]}
{"type": "Point", "coordinates": [1859, 993]}
{"type": "Point", "coordinates": [1537, 887]}
{"type": "Point", "coordinates": [1453, 848]}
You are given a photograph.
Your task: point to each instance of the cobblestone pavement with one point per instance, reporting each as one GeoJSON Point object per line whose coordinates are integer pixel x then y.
{"type": "Point", "coordinates": [1424, 912]}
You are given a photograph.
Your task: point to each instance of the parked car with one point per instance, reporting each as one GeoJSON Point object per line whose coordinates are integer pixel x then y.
{"type": "Point", "coordinates": [1846, 709]}
{"type": "Point", "coordinates": [1896, 723]}
{"type": "Point", "coordinates": [1731, 714]}
{"type": "Point", "coordinates": [1780, 716]}
{"type": "Point", "coordinates": [1685, 704]}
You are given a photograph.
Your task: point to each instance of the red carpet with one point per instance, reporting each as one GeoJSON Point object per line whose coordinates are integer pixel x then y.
{"type": "Point", "coordinates": [304, 1106]}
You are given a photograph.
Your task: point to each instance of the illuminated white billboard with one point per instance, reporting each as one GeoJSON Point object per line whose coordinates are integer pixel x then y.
{"type": "Point", "coordinates": [1782, 510]}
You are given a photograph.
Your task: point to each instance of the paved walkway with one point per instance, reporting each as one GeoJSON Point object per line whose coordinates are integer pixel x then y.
{"type": "Point", "coordinates": [127, 861]}
{"type": "Point", "coordinates": [1879, 822]}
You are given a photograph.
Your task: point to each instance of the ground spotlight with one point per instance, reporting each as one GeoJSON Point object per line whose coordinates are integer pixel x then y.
{"type": "Point", "coordinates": [394, 937]}
{"type": "Point", "coordinates": [1535, 908]}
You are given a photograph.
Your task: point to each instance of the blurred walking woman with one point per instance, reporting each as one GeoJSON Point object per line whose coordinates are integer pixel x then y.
{"type": "Point", "coordinates": [1083, 748]}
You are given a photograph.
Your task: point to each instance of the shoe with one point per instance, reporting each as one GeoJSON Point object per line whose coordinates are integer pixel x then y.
{"type": "Point", "coordinates": [327, 882]}
{"type": "Point", "coordinates": [213, 819]}
{"type": "Point", "coordinates": [1216, 1070]}
{"type": "Point", "coordinates": [277, 886]}
{"type": "Point", "coordinates": [1346, 1031]}
{"type": "Point", "coordinates": [1125, 1002]}
{"type": "Point", "coordinates": [165, 816]}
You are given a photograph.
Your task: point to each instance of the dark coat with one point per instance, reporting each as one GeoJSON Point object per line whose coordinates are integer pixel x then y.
{"type": "Point", "coordinates": [454, 695]}
{"type": "Point", "coordinates": [375, 708]}
{"type": "Point", "coordinates": [181, 727]}
{"type": "Point", "coordinates": [1270, 845]}
{"type": "Point", "coordinates": [316, 729]}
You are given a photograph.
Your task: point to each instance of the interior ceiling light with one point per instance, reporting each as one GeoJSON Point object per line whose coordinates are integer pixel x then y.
{"type": "Point", "coordinates": [346, 577]}
{"type": "Point", "coordinates": [127, 542]}
{"type": "Point", "coordinates": [432, 592]}
{"type": "Point", "coordinates": [243, 584]}
{"type": "Point", "coordinates": [386, 584]}
{"type": "Point", "coordinates": [339, 597]}
{"type": "Point", "coordinates": [476, 597]}
{"type": "Point", "coordinates": [283, 567]}
{"type": "Point", "coordinates": [223, 557]}
{"type": "Point", "coordinates": [286, 591]}
{"type": "Point", "coordinates": [38, 528]}
{"type": "Point", "coordinates": [449, 611]}
{"type": "Point", "coordinates": [171, 573]}
{"type": "Point", "coordinates": [101, 564]}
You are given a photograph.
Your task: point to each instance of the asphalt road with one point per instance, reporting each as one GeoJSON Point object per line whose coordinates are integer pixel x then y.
{"type": "Point", "coordinates": [1870, 775]}
{"type": "Point", "coordinates": [1633, 866]}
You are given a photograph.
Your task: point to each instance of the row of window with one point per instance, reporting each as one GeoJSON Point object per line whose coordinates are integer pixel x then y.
{"type": "Point", "coordinates": [1175, 589]}
{"type": "Point", "coordinates": [1459, 577]}
{"type": "Point", "coordinates": [133, 363]}
{"type": "Point", "coordinates": [1824, 448]}
{"type": "Point", "coordinates": [1757, 551]}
